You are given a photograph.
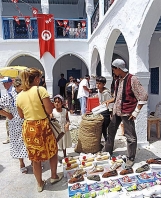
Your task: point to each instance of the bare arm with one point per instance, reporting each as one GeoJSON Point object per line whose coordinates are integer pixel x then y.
{"type": "Point", "coordinates": [20, 112]}
{"type": "Point", "coordinates": [6, 114]}
{"type": "Point", "coordinates": [84, 87]}
{"type": "Point", "coordinates": [133, 117]}
{"type": "Point", "coordinates": [67, 117]}
{"type": "Point", "coordinates": [107, 102]}
{"type": "Point", "coordinates": [66, 127]}
{"type": "Point", "coordinates": [48, 105]}
{"type": "Point", "coordinates": [72, 92]}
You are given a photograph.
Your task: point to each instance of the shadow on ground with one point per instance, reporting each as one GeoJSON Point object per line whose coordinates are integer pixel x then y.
{"type": "Point", "coordinates": [1, 168]}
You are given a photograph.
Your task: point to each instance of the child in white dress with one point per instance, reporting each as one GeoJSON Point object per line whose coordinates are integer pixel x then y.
{"type": "Point", "coordinates": [61, 114]}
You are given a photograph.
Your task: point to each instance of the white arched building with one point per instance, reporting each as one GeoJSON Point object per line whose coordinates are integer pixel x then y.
{"type": "Point", "coordinates": [139, 45]}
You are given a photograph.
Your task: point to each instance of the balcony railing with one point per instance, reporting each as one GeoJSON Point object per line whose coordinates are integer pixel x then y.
{"type": "Point", "coordinates": [72, 29]}
{"type": "Point", "coordinates": [107, 4]}
{"type": "Point", "coordinates": [95, 18]}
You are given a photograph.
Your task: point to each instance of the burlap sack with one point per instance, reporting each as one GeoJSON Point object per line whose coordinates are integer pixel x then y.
{"type": "Point", "coordinates": [90, 132]}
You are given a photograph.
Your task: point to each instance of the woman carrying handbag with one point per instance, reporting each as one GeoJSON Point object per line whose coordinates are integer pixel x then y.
{"type": "Point", "coordinates": [38, 137]}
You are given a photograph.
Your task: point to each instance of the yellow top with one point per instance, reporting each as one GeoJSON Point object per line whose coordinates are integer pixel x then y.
{"type": "Point", "coordinates": [30, 103]}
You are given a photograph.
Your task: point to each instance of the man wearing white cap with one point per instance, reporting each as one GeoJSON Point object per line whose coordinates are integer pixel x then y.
{"type": "Point", "coordinates": [129, 97]}
{"type": "Point", "coordinates": [7, 83]}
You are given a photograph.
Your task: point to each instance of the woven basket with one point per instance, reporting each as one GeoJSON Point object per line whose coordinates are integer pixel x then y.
{"type": "Point", "coordinates": [90, 132]}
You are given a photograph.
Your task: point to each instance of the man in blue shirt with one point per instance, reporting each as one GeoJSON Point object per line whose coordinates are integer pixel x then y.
{"type": "Point", "coordinates": [62, 83]}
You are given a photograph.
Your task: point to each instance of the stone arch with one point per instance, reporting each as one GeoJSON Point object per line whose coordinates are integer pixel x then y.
{"type": "Point", "coordinates": [75, 54]}
{"type": "Point", "coordinates": [110, 50]}
{"type": "Point", "coordinates": [25, 59]}
{"type": "Point", "coordinates": [147, 44]}
{"type": "Point", "coordinates": [147, 28]}
{"type": "Point", "coordinates": [68, 63]}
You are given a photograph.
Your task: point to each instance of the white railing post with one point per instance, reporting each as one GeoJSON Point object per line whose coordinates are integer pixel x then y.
{"type": "Point", "coordinates": [101, 10]}
{"type": "Point", "coordinates": [45, 6]}
{"type": "Point", "coordinates": [89, 11]}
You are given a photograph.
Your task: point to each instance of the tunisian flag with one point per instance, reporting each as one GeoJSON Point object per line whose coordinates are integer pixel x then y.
{"type": "Point", "coordinates": [46, 34]}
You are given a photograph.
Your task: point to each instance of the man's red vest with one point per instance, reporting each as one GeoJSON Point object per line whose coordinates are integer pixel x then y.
{"type": "Point", "coordinates": [129, 101]}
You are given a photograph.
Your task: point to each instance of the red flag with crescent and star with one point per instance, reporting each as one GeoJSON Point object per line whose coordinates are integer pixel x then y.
{"type": "Point", "coordinates": [46, 34]}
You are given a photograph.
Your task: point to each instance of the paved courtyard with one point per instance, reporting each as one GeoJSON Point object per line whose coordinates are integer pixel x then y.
{"type": "Point", "coordinates": [14, 184]}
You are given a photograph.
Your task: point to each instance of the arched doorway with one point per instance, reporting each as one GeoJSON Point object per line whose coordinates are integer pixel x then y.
{"type": "Point", "coordinates": [69, 65]}
{"type": "Point", "coordinates": [26, 60]}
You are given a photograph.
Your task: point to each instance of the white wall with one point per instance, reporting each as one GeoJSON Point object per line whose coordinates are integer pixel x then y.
{"type": "Point", "coordinates": [9, 9]}
{"type": "Point", "coordinates": [59, 10]}
{"type": "Point", "coordinates": [155, 61]}
{"type": "Point", "coordinates": [11, 49]}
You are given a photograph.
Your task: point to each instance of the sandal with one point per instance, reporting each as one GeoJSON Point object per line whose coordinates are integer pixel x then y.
{"type": "Point", "coordinates": [104, 157]}
{"type": "Point", "coordinates": [94, 177]}
{"type": "Point", "coordinates": [153, 161]}
{"type": "Point", "coordinates": [24, 170]}
{"type": "Point", "coordinates": [76, 179]}
{"type": "Point", "coordinates": [126, 171]}
{"type": "Point", "coordinates": [79, 172]}
{"type": "Point", "coordinates": [41, 188]}
{"type": "Point", "coordinates": [53, 181]}
{"type": "Point", "coordinates": [115, 166]}
{"type": "Point", "coordinates": [96, 169]}
{"type": "Point", "coordinates": [143, 168]}
{"type": "Point", "coordinates": [110, 174]}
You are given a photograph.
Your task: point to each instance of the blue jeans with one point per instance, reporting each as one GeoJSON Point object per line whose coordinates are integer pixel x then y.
{"type": "Point", "coordinates": [83, 104]}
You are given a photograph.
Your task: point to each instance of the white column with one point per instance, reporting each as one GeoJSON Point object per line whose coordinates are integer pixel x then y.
{"type": "Point", "coordinates": [89, 25]}
{"type": "Point", "coordinates": [45, 6]}
{"type": "Point", "coordinates": [107, 75]}
{"type": "Point", "coordinates": [141, 121]}
{"type": "Point", "coordinates": [138, 66]}
{"type": "Point", "coordinates": [89, 11]}
{"type": "Point", "coordinates": [49, 85]}
{"type": "Point", "coordinates": [101, 10]}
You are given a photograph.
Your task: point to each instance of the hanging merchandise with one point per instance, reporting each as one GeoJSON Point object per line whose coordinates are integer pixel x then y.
{"type": "Point", "coordinates": [16, 19]}
{"type": "Point", "coordinates": [34, 12]}
{"type": "Point", "coordinates": [46, 34]}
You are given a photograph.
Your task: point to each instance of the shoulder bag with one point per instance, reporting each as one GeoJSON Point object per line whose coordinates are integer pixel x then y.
{"type": "Point", "coordinates": [54, 124]}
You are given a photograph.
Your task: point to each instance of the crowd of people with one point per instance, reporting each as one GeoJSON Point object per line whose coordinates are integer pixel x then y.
{"type": "Point", "coordinates": [27, 105]}
{"type": "Point", "coordinates": [127, 96]}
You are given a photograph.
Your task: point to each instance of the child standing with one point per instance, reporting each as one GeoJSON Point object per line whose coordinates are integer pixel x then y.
{"type": "Point", "coordinates": [103, 95]}
{"type": "Point", "coordinates": [61, 114]}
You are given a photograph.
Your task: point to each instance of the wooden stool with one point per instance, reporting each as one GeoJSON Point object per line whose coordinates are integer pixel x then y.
{"type": "Point", "coordinates": [153, 120]}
